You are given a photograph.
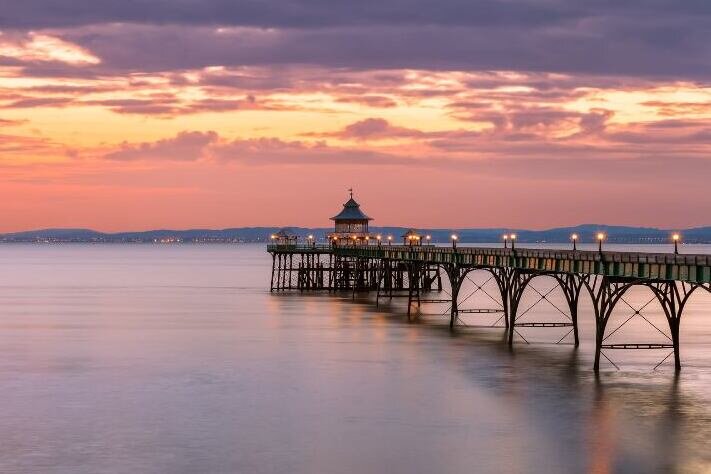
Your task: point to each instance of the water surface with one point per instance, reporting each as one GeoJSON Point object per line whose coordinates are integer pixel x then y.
{"type": "Point", "coordinates": [177, 359]}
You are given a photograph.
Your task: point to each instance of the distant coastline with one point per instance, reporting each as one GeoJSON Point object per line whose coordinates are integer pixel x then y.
{"type": "Point", "coordinates": [586, 233]}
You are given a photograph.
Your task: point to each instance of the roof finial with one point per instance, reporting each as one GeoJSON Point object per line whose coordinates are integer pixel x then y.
{"type": "Point", "coordinates": [350, 190]}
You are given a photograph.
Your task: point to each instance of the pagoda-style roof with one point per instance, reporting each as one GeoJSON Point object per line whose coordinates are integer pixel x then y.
{"type": "Point", "coordinates": [285, 233]}
{"type": "Point", "coordinates": [410, 232]}
{"type": "Point", "coordinates": [351, 212]}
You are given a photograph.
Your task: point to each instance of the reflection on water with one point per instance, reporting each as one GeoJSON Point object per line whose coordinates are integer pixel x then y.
{"type": "Point", "coordinates": [178, 359]}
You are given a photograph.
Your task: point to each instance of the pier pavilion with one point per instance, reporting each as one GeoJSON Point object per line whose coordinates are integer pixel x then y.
{"type": "Point", "coordinates": [351, 224]}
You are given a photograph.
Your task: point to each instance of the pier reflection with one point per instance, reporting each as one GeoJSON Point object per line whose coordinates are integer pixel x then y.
{"type": "Point", "coordinates": [616, 421]}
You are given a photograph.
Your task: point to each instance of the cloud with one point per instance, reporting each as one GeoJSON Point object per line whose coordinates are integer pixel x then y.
{"type": "Point", "coordinates": [524, 161]}
{"type": "Point", "coordinates": [671, 109]}
{"type": "Point", "coordinates": [193, 146]}
{"type": "Point", "coordinates": [11, 122]}
{"type": "Point", "coordinates": [378, 101]}
{"type": "Point", "coordinates": [286, 14]}
{"type": "Point", "coordinates": [273, 151]}
{"type": "Point", "coordinates": [186, 146]}
{"type": "Point", "coordinates": [34, 102]}
{"type": "Point", "coordinates": [44, 48]}
{"type": "Point", "coordinates": [565, 48]}
{"type": "Point", "coordinates": [372, 129]}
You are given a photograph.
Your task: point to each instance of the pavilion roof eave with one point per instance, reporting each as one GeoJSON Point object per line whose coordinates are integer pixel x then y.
{"type": "Point", "coordinates": [339, 218]}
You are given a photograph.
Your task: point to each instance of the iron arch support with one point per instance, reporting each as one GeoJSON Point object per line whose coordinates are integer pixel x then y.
{"type": "Point", "coordinates": [499, 275]}
{"type": "Point", "coordinates": [516, 281]}
{"type": "Point", "coordinates": [455, 273]}
{"type": "Point", "coordinates": [571, 284]}
{"type": "Point", "coordinates": [673, 296]}
{"type": "Point", "coordinates": [605, 294]}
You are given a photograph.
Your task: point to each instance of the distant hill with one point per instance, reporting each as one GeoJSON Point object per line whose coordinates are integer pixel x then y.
{"type": "Point", "coordinates": [586, 232]}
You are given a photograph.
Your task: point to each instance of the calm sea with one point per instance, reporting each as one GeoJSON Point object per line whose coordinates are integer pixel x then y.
{"type": "Point", "coordinates": [177, 359]}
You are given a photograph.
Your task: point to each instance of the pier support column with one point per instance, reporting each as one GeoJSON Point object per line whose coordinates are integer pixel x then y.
{"type": "Point", "coordinates": [413, 293]}
{"type": "Point", "coordinates": [271, 283]}
{"type": "Point", "coordinates": [383, 267]}
{"type": "Point", "coordinates": [516, 282]}
{"type": "Point", "coordinates": [502, 282]}
{"type": "Point", "coordinates": [572, 284]}
{"type": "Point", "coordinates": [673, 296]}
{"type": "Point", "coordinates": [605, 295]}
{"type": "Point", "coordinates": [456, 277]}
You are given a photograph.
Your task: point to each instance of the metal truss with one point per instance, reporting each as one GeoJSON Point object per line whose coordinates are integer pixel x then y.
{"type": "Point", "coordinates": [608, 292]}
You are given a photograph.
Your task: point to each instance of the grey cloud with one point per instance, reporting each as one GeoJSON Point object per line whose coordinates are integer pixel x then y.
{"type": "Point", "coordinates": [132, 47]}
{"type": "Point", "coordinates": [611, 40]}
{"type": "Point", "coordinates": [287, 13]}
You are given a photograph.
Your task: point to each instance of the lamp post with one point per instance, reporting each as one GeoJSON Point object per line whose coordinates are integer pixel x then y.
{"type": "Point", "coordinates": [676, 238]}
{"type": "Point", "coordinates": [574, 238]}
{"type": "Point", "coordinates": [454, 241]}
{"type": "Point", "coordinates": [379, 238]}
{"type": "Point", "coordinates": [428, 238]}
{"type": "Point", "coordinates": [310, 238]}
{"type": "Point", "coordinates": [513, 241]}
{"type": "Point", "coordinates": [390, 239]}
{"type": "Point", "coordinates": [600, 238]}
{"type": "Point", "coordinates": [506, 241]}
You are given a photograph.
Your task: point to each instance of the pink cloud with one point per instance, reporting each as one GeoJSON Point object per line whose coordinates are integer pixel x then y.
{"type": "Point", "coordinates": [186, 146]}
{"type": "Point", "coordinates": [372, 129]}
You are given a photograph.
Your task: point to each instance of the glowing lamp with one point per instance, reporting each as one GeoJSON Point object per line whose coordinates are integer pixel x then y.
{"type": "Point", "coordinates": [600, 238]}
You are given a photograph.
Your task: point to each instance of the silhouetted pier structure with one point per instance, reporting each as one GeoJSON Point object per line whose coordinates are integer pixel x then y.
{"type": "Point", "coordinates": [365, 263]}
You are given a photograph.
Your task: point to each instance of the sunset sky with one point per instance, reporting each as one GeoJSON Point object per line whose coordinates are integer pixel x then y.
{"type": "Point", "coordinates": [219, 113]}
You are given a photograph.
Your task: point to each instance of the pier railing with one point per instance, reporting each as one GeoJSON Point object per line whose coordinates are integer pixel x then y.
{"type": "Point", "coordinates": [693, 268]}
